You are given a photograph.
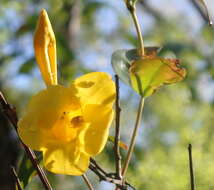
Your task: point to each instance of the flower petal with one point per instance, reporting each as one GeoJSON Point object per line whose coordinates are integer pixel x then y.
{"type": "Point", "coordinates": [35, 139]}
{"type": "Point", "coordinates": [65, 159]}
{"type": "Point", "coordinates": [43, 111]}
{"type": "Point", "coordinates": [95, 88]}
{"type": "Point", "coordinates": [100, 118]}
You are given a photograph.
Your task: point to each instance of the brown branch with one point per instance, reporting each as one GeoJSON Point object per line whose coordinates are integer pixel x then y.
{"type": "Point", "coordinates": [117, 131]}
{"type": "Point", "coordinates": [16, 178]}
{"type": "Point", "coordinates": [192, 179]}
{"type": "Point", "coordinates": [74, 24]}
{"type": "Point", "coordinates": [205, 16]}
{"type": "Point", "coordinates": [92, 161]}
{"type": "Point", "coordinates": [144, 4]}
{"type": "Point", "coordinates": [86, 180]}
{"type": "Point", "coordinates": [10, 113]}
{"type": "Point", "coordinates": [108, 177]}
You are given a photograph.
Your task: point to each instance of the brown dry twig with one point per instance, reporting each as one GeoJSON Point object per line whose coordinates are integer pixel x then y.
{"type": "Point", "coordinates": [16, 178]}
{"type": "Point", "coordinates": [117, 131]}
{"type": "Point", "coordinates": [108, 177]}
{"type": "Point", "coordinates": [10, 113]}
{"type": "Point", "coordinates": [191, 171]}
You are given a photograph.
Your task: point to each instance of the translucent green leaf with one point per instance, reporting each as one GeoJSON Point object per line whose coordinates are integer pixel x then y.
{"type": "Point", "coordinates": [148, 74]}
{"type": "Point", "coordinates": [121, 61]}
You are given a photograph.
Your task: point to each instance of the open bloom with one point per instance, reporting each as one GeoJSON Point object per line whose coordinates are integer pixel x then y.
{"type": "Point", "coordinates": [68, 124]}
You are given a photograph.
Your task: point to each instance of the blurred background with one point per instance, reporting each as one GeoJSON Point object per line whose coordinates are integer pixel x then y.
{"type": "Point", "coordinates": [87, 33]}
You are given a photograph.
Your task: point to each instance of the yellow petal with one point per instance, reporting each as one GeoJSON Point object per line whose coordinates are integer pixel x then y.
{"type": "Point", "coordinates": [45, 49]}
{"type": "Point", "coordinates": [100, 118]}
{"type": "Point", "coordinates": [35, 139]}
{"type": "Point", "coordinates": [65, 159]}
{"type": "Point", "coordinates": [42, 113]}
{"type": "Point", "coordinates": [95, 88]}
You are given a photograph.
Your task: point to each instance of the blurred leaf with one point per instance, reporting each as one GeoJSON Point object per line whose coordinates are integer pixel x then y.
{"type": "Point", "coordinates": [27, 26]}
{"type": "Point", "coordinates": [149, 73]}
{"type": "Point", "coordinates": [27, 66]}
{"type": "Point", "coordinates": [121, 143]}
{"type": "Point", "coordinates": [26, 171]}
{"type": "Point", "coordinates": [90, 8]}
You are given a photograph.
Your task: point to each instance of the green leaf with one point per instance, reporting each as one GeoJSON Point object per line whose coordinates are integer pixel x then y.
{"type": "Point", "coordinates": [151, 72]}
{"type": "Point", "coordinates": [28, 25]}
{"type": "Point", "coordinates": [121, 143]}
{"type": "Point", "coordinates": [26, 171]}
{"type": "Point", "coordinates": [27, 66]}
{"type": "Point", "coordinates": [121, 61]}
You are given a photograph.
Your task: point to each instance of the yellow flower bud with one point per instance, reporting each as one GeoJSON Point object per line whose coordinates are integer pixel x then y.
{"type": "Point", "coordinates": [45, 49]}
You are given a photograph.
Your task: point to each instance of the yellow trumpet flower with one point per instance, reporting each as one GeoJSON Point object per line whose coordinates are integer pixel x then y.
{"type": "Point", "coordinates": [68, 124]}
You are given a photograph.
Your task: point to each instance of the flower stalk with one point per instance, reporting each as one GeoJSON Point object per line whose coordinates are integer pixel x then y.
{"type": "Point", "coordinates": [131, 6]}
{"type": "Point", "coordinates": [133, 138]}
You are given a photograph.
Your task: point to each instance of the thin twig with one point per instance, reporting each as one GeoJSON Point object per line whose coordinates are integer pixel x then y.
{"type": "Point", "coordinates": [16, 178]}
{"type": "Point", "coordinates": [192, 178]}
{"type": "Point", "coordinates": [104, 177]}
{"type": "Point", "coordinates": [108, 177]}
{"type": "Point", "coordinates": [87, 182]}
{"type": "Point", "coordinates": [144, 4]}
{"type": "Point", "coordinates": [134, 135]}
{"type": "Point", "coordinates": [92, 161]}
{"type": "Point", "coordinates": [11, 115]}
{"type": "Point", "coordinates": [117, 131]}
{"type": "Point", "coordinates": [205, 15]}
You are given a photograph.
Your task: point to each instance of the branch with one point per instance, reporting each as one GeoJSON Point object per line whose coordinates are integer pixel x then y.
{"type": "Point", "coordinates": [191, 168]}
{"type": "Point", "coordinates": [144, 4]}
{"type": "Point", "coordinates": [108, 177]}
{"type": "Point", "coordinates": [10, 113]}
{"type": "Point", "coordinates": [117, 131]}
{"type": "Point", "coordinates": [16, 178]}
{"type": "Point", "coordinates": [205, 16]}
{"type": "Point", "coordinates": [92, 161]}
{"type": "Point", "coordinates": [87, 182]}
{"type": "Point", "coordinates": [74, 24]}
